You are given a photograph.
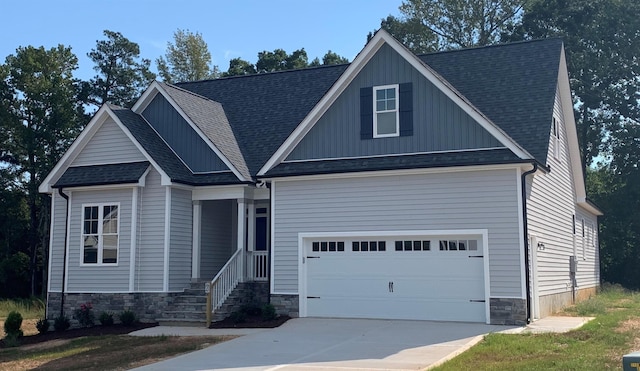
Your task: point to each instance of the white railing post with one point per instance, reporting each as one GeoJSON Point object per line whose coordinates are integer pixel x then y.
{"type": "Point", "coordinates": [242, 216]}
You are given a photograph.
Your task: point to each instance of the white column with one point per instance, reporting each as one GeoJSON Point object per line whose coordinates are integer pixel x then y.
{"type": "Point", "coordinates": [242, 214]}
{"type": "Point", "coordinates": [134, 239]}
{"type": "Point", "coordinates": [195, 250]}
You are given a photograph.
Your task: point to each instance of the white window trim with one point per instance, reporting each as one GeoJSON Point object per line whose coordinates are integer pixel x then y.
{"type": "Point", "coordinates": [556, 137]}
{"type": "Point", "coordinates": [100, 233]}
{"type": "Point", "coordinates": [397, 111]}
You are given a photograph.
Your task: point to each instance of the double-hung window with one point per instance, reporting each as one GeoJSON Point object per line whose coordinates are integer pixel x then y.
{"type": "Point", "coordinates": [555, 132]}
{"type": "Point", "coordinates": [386, 114]}
{"type": "Point", "coordinates": [100, 223]}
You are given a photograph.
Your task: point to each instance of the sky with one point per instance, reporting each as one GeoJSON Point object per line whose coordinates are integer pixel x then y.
{"type": "Point", "coordinates": [231, 28]}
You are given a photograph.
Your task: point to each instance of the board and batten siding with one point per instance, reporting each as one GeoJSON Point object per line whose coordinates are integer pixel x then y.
{"type": "Point", "coordinates": [181, 137]}
{"type": "Point", "coordinates": [436, 201]}
{"type": "Point", "coordinates": [109, 145]}
{"type": "Point", "coordinates": [438, 123]}
{"type": "Point", "coordinates": [551, 205]}
{"type": "Point", "coordinates": [59, 215]}
{"type": "Point", "coordinates": [180, 239]}
{"type": "Point", "coordinates": [97, 278]}
{"type": "Point", "coordinates": [150, 239]}
{"type": "Point", "coordinates": [216, 236]}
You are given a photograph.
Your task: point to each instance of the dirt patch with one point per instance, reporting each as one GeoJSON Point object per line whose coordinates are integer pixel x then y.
{"type": "Point", "coordinates": [632, 324]}
{"type": "Point", "coordinates": [28, 327]}
{"type": "Point", "coordinates": [251, 321]}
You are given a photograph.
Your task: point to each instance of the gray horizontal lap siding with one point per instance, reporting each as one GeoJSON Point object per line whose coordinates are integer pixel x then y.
{"type": "Point", "coordinates": [94, 278]}
{"type": "Point", "coordinates": [216, 236]}
{"type": "Point", "coordinates": [150, 246]}
{"type": "Point", "coordinates": [181, 137]}
{"type": "Point", "coordinates": [57, 244]}
{"type": "Point", "coordinates": [109, 145]}
{"type": "Point", "coordinates": [181, 237]}
{"type": "Point", "coordinates": [461, 200]}
{"type": "Point", "coordinates": [438, 123]}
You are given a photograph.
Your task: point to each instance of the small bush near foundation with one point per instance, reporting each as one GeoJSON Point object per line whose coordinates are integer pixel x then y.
{"type": "Point", "coordinates": [239, 316]}
{"type": "Point", "coordinates": [12, 326]}
{"type": "Point", "coordinates": [42, 325]}
{"type": "Point", "coordinates": [61, 323]}
{"type": "Point", "coordinates": [106, 319]}
{"type": "Point", "coordinates": [84, 315]}
{"type": "Point", "coordinates": [127, 318]}
{"type": "Point", "coordinates": [269, 312]}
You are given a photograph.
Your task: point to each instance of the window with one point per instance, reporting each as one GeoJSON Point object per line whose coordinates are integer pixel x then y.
{"type": "Point", "coordinates": [413, 245]}
{"type": "Point", "coordinates": [325, 246]}
{"type": "Point", "coordinates": [369, 246]}
{"type": "Point", "coordinates": [386, 114]}
{"type": "Point", "coordinates": [555, 132]}
{"type": "Point", "coordinates": [100, 234]}
{"type": "Point", "coordinates": [458, 245]}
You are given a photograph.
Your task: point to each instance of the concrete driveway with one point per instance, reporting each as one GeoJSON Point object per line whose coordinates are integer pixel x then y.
{"type": "Point", "coordinates": [345, 344]}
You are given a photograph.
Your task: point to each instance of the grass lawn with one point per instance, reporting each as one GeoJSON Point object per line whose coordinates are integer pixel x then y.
{"type": "Point", "coordinates": [599, 345]}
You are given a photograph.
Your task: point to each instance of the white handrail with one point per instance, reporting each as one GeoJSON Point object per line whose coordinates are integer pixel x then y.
{"type": "Point", "coordinates": [258, 265]}
{"type": "Point", "coordinates": [223, 284]}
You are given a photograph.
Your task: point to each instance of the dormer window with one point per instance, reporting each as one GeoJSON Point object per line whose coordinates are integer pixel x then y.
{"type": "Point", "coordinates": [386, 115]}
{"type": "Point", "coordinates": [555, 133]}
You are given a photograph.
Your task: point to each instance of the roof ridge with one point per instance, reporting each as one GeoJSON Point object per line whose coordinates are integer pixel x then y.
{"type": "Point", "coordinates": [187, 91]}
{"type": "Point", "coordinates": [499, 45]}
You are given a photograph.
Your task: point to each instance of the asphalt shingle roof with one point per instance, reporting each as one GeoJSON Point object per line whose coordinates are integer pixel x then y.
{"type": "Point", "coordinates": [102, 174]}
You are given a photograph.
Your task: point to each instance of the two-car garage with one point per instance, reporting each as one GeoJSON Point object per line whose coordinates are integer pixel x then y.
{"type": "Point", "coordinates": [419, 275]}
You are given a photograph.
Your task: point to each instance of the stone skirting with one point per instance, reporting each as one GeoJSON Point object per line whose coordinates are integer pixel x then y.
{"type": "Point", "coordinates": [550, 304]}
{"type": "Point", "coordinates": [286, 304]}
{"type": "Point", "coordinates": [508, 311]}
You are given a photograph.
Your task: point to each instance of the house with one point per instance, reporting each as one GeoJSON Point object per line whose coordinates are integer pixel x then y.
{"type": "Point", "coordinates": [445, 187]}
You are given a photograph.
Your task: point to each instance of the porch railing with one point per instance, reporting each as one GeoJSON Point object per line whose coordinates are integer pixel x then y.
{"type": "Point", "coordinates": [258, 264]}
{"type": "Point", "coordinates": [223, 284]}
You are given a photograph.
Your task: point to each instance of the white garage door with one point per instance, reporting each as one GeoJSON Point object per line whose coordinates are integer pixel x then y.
{"type": "Point", "coordinates": [417, 277]}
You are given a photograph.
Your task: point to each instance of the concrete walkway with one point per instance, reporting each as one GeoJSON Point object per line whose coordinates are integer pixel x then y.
{"type": "Point", "coordinates": [340, 344]}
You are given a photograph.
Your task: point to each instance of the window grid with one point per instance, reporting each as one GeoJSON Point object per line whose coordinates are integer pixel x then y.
{"type": "Point", "coordinates": [386, 113]}
{"type": "Point", "coordinates": [100, 234]}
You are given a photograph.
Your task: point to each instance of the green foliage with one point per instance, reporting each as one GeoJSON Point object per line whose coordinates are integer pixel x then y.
{"type": "Point", "coordinates": [42, 326]}
{"type": "Point", "coordinates": [14, 275]}
{"type": "Point", "coordinates": [61, 323]}
{"type": "Point", "coordinates": [127, 318]}
{"type": "Point", "coordinates": [84, 315]}
{"type": "Point", "coordinates": [106, 319]}
{"type": "Point", "coordinates": [29, 308]}
{"type": "Point", "coordinates": [269, 312]}
{"type": "Point", "coordinates": [12, 324]}
{"type": "Point", "coordinates": [239, 316]}
{"type": "Point", "coordinates": [122, 74]}
{"type": "Point", "coordinates": [187, 59]}
{"type": "Point", "coordinates": [239, 67]}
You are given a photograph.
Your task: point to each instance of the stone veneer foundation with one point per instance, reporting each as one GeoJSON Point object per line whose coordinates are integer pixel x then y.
{"type": "Point", "coordinates": [508, 311]}
{"type": "Point", "coordinates": [286, 304]}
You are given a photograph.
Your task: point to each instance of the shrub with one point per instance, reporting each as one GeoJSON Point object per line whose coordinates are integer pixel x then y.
{"type": "Point", "coordinates": [84, 315]}
{"type": "Point", "coordinates": [42, 325]}
{"type": "Point", "coordinates": [61, 323]}
{"type": "Point", "coordinates": [106, 319]}
{"type": "Point", "coordinates": [11, 341]}
{"type": "Point", "coordinates": [239, 316]}
{"type": "Point", "coordinates": [251, 309]}
{"type": "Point", "coordinates": [12, 325]}
{"type": "Point", "coordinates": [269, 312]}
{"type": "Point", "coordinates": [127, 318]}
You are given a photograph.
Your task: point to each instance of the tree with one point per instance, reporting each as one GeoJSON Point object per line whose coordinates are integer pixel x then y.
{"type": "Point", "coordinates": [239, 67]}
{"type": "Point", "coordinates": [122, 75]}
{"type": "Point", "coordinates": [333, 58]}
{"type": "Point", "coordinates": [186, 59]}
{"type": "Point", "coordinates": [279, 60]}
{"type": "Point", "coordinates": [44, 115]}
{"type": "Point", "coordinates": [602, 44]}
{"type": "Point", "coordinates": [429, 25]}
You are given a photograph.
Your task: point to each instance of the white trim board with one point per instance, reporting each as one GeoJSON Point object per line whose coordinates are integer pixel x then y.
{"type": "Point", "coordinates": [380, 38]}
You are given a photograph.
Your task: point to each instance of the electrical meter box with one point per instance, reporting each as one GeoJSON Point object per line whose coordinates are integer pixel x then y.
{"type": "Point", "coordinates": [631, 362]}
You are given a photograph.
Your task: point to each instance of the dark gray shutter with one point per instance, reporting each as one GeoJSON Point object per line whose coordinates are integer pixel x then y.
{"type": "Point", "coordinates": [406, 109]}
{"type": "Point", "coordinates": [366, 113]}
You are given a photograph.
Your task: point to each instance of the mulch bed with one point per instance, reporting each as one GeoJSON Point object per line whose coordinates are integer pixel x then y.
{"type": "Point", "coordinates": [80, 332]}
{"type": "Point", "coordinates": [251, 321]}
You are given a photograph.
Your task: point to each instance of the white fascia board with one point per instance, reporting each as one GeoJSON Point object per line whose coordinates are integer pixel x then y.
{"type": "Point", "coordinates": [382, 37]}
{"type": "Point", "coordinates": [583, 203]}
{"type": "Point", "coordinates": [155, 89]}
{"type": "Point", "coordinates": [572, 131]}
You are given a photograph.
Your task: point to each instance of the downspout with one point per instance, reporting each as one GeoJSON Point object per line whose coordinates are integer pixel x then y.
{"type": "Point", "coordinates": [270, 219]}
{"type": "Point", "coordinates": [525, 227]}
{"type": "Point", "coordinates": [64, 256]}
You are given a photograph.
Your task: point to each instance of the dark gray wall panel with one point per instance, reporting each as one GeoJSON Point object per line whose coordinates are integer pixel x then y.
{"type": "Point", "coordinates": [439, 124]}
{"type": "Point", "coordinates": [187, 144]}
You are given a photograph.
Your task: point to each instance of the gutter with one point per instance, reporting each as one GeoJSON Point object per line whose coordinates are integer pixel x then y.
{"type": "Point", "coordinates": [525, 227]}
{"type": "Point", "coordinates": [64, 259]}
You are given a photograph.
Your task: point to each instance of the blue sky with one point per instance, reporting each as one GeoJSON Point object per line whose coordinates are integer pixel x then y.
{"type": "Point", "coordinates": [230, 28]}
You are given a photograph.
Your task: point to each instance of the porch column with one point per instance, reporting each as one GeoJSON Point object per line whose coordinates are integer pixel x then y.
{"type": "Point", "coordinates": [242, 217]}
{"type": "Point", "coordinates": [251, 225]}
{"type": "Point", "coordinates": [195, 252]}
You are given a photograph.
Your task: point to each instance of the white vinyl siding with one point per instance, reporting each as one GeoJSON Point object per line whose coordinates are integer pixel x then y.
{"type": "Point", "coordinates": [99, 278]}
{"type": "Point", "coordinates": [457, 200]}
{"type": "Point", "coordinates": [109, 145]}
{"type": "Point", "coordinates": [216, 236]}
{"type": "Point", "coordinates": [57, 242]}
{"type": "Point", "coordinates": [181, 235]}
{"type": "Point", "coordinates": [551, 206]}
{"type": "Point", "coordinates": [150, 245]}
{"type": "Point", "coordinates": [588, 273]}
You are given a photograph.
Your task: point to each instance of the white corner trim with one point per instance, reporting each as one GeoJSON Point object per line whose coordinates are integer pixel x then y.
{"type": "Point", "coordinates": [487, 276]}
{"type": "Point", "coordinates": [272, 238]}
{"type": "Point", "coordinates": [148, 96]}
{"type": "Point", "coordinates": [167, 237]}
{"type": "Point", "coordinates": [382, 37]}
{"type": "Point", "coordinates": [51, 225]}
{"type": "Point", "coordinates": [68, 242]}
{"type": "Point", "coordinates": [134, 235]}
